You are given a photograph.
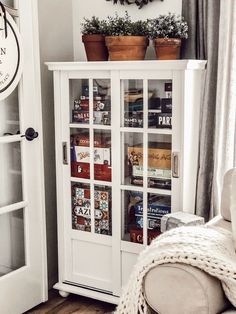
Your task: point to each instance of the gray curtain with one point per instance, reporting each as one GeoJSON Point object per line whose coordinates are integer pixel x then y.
{"type": "Point", "coordinates": [203, 20]}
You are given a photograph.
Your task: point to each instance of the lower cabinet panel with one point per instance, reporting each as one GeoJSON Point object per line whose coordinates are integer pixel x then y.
{"type": "Point", "coordinates": [128, 261]}
{"type": "Point", "coordinates": [91, 265]}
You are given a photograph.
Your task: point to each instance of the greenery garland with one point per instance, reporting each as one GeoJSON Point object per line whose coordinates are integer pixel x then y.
{"type": "Point", "coordinates": [139, 3]}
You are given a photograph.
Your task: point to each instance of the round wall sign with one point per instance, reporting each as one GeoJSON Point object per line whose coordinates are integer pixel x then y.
{"type": "Point", "coordinates": [10, 55]}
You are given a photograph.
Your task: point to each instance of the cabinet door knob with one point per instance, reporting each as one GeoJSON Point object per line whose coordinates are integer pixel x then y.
{"type": "Point", "coordinates": [30, 134]}
{"type": "Point", "coordinates": [175, 165]}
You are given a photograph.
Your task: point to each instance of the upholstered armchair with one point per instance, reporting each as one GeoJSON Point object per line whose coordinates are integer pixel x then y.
{"type": "Point", "coordinates": [183, 289]}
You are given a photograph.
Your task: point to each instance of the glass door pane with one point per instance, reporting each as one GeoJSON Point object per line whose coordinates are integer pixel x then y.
{"type": "Point", "coordinates": [80, 153]}
{"type": "Point", "coordinates": [9, 115]}
{"type": "Point", "coordinates": [79, 101]}
{"type": "Point", "coordinates": [12, 241]}
{"type": "Point", "coordinates": [81, 206]}
{"type": "Point", "coordinates": [10, 172]}
{"type": "Point", "coordinates": [132, 158]}
{"type": "Point", "coordinates": [160, 104]}
{"type": "Point", "coordinates": [132, 108]}
{"type": "Point", "coordinates": [102, 155]}
{"type": "Point", "coordinates": [103, 209]}
{"type": "Point", "coordinates": [102, 101]}
{"type": "Point", "coordinates": [159, 161]}
{"type": "Point", "coordinates": [158, 205]}
{"type": "Point", "coordinates": [132, 217]}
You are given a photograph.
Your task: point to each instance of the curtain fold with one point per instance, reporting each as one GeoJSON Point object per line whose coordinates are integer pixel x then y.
{"type": "Point", "coordinates": [225, 139]}
{"type": "Point", "coordinates": [203, 19]}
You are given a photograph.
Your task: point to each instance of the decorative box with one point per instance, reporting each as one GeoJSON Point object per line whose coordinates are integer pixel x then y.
{"type": "Point", "coordinates": [81, 208]}
{"type": "Point", "coordinates": [136, 235]}
{"type": "Point", "coordinates": [152, 172]}
{"type": "Point", "coordinates": [81, 213]}
{"type": "Point", "coordinates": [81, 105]}
{"type": "Point", "coordinates": [102, 117]}
{"type": "Point", "coordinates": [101, 114]}
{"type": "Point", "coordinates": [80, 116]}
{"type": "Point", "coordinates": [168, 90]}
{"type": "Point", "coordinates": [160, 120]}
{"type": "Point", "coordinates": [159, 155]}
{"type": "Point", "coordinates": [179, 219]}
{"type": "Point", "coordinates": [154, 103]}
{"type": "Point", "coordinates": [157, 207]}
{"type": "Point", "coordinates": [135, 106]}
{"type": "Point", "coordinates": [133, 119]}
{"type": "Point", "coordinates": [102, 202]}
{"type": "Point", "coordinates": [166, 105]}
{"type": "Point", "coordinates": [80, 157]}
{"type": "Point", "coordinates": [164, 184]}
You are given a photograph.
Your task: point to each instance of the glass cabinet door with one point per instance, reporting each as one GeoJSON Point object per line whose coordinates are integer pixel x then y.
{"type": "Point", "coordinates": [146, 150]}
{"type": "Point", "coordinates": [90, 157]}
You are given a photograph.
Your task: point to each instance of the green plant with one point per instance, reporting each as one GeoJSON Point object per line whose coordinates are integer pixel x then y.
{"type": "Point", "coordinates": [92, 26]}
{"type": "Point", "coordinates": [139, 3]}
{"type": "Point", "coordinates": [168, 26]}
{"type": "Point", "coordinates": [123, 26]}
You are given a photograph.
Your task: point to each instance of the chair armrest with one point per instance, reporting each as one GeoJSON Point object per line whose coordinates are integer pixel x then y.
{"type": "Point", "coordinates": [183, 289]}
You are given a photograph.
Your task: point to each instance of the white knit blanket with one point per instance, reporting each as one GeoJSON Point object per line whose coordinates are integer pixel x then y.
{"type": "Point", "coordinates": [208, 248]}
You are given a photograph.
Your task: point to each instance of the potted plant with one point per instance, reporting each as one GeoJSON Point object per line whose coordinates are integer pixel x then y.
{"type": "Point", "coordinates": [93, 39]}
{"type": "Point", "coordinates": [167, 32]}
{"type": "Point", "coordinates": [126, 40]}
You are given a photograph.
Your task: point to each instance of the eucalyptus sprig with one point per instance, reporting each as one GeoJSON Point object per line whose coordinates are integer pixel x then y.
{"type": "Point", "coordinates": [92, 26]}
{"type": "Point", "coordinates": [168, 26]}
{"type": "Point", "coordinates": [139, 3]}
{"type": "Point", "coordinates": [123, 26]}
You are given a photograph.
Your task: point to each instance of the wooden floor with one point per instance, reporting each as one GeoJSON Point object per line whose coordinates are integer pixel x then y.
{"type": "Point", "coordinates": [73, 304]}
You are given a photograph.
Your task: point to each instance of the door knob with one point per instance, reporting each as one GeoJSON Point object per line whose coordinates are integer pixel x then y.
{"type": "Point", "coordinates": [30, 134]}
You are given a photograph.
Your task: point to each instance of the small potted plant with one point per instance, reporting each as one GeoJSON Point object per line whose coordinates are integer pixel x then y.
{"type": "Point", "coordinates": [93, 39]}
{"type": "Point", "coordinates": [167, 32]}
{"type": "Point", "coordinates": [126, 40]}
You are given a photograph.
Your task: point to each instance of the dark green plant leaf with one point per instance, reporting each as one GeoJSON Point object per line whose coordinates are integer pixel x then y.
{"type": "Point", "coordinates": [139, 3]}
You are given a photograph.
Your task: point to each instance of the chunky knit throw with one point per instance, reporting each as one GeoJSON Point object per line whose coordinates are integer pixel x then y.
{"type": "Point", "coordinates": [208, 248]}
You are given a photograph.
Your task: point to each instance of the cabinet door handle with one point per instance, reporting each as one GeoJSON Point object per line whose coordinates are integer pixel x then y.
{"type": "Point", "coordinates": [175, 165]}
{"type": "Point", "coordinates": [64, 153]}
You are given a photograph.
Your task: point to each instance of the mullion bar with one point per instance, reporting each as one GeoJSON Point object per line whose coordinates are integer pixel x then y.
{"type": "Point", "coordinates": [13, 207]}
{"type": "Point", "coordinates": [91, 148]}
{"type": "Point", "coordinates": [145, 160]}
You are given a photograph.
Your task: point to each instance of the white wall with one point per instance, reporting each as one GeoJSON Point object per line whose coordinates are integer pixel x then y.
{"type": "Point", "coordinates": [102, 8]}
{"type": "Point", "coordinates": [56, 44]}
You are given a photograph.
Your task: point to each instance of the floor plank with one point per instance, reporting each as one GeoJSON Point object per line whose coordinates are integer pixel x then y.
{"type": "Point", "coordinates": [74, 304]}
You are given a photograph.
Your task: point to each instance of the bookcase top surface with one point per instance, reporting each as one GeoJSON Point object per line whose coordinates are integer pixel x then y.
{"type": "Point", "coordinates": [128, 65]}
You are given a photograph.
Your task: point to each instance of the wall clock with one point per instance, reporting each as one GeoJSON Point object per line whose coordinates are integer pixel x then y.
{"type": "Point", "coordinates": [10, 54]}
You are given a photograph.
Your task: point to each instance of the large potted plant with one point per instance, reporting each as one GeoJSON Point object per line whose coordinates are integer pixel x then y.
{"type": "Point", "coordinates": [93, 39]}
{"type": "Point", "coordinates": [126, 40]}
{"type": "Point", "coordinates": [167, 32]}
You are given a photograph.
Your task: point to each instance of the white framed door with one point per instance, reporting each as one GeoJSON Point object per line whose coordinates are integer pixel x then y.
{"type": "Point", "coordinates": [23, 281]}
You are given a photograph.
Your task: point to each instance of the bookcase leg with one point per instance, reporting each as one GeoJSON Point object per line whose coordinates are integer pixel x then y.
{"type": "Point", "coordinates": [64, 294]}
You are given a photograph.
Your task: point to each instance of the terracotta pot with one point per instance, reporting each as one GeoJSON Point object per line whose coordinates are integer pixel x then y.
{"type": "Point", "coordinates": [95, 47]}
{"type": "Point", "coordinates": [167, 48]}
{"type": "Point", "coordinates": [126, 47]}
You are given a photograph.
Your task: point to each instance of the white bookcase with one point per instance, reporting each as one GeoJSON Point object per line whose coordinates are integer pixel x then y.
{"type": "Point", "coordinates": [126, 153]}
